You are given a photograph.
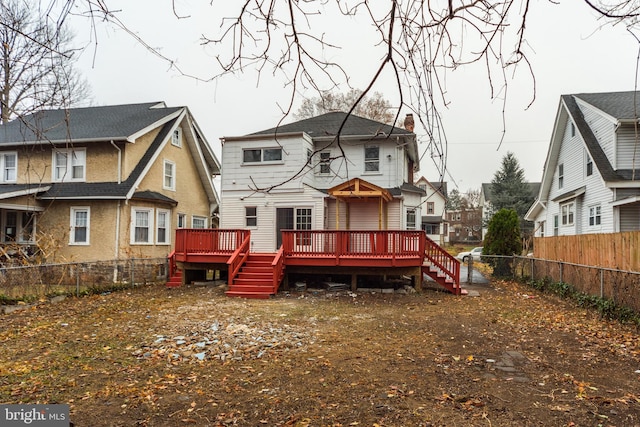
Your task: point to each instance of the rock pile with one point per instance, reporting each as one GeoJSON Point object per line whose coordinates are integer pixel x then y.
{"type": "Point", "coordinates": [226, 342]}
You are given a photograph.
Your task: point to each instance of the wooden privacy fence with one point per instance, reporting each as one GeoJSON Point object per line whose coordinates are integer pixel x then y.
{"type": "Point", "coordinates": [619, 286]}
{"type": "Point", "coordinates": [620, 251]}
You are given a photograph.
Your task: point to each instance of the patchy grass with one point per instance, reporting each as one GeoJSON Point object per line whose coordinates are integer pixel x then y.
{"type": "Point", "coordinates": [513, 356]}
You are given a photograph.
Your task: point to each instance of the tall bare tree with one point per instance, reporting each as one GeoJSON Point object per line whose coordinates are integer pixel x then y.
{"type": "Point", "coordinates": [36, 60]}
{"type": "Point", "coordinates": [374, 107]}
{"type": "Point", "coordinates": [415, 42]}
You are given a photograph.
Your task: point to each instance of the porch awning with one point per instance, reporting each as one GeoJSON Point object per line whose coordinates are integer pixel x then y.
{"type": "Point", "coordinates": [357, 188]}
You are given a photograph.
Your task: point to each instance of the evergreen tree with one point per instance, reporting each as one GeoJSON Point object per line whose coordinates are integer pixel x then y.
{"type": "Point", "coordinates": [454, 200]}
{"type": "Point", "coordinates": [509, 190]}
{"type": "Point", "coordinates": [503, 238]}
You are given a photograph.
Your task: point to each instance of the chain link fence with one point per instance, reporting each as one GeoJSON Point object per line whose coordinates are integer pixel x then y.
{"type": "Point", "coordinates": [619, 286]}
{"type": "Point", "coordinates": [32, 282]}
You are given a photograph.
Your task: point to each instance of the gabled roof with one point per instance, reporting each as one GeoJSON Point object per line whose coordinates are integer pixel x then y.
{"type": "Point", "coordinates": [622, 106]}
{"type": "Point", "coordinates": [104, 124]}
{"type": "Point", "coordinates": [88, 124]}
{"type": "Point", "coordinates": [330, 124]}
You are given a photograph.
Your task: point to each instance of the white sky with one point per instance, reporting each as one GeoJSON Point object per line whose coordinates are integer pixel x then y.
{"type": "Point", "coordinates": [572, 55]}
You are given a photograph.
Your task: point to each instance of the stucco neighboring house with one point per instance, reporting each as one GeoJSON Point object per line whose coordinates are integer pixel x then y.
{"type": "Point", "coordinates": [590, 179]}
{"type": "Point", "coordinates": [486, 195]}
{"type": "Point", "coordinates": [303, 176]}
{"type": "Point", "coordinates": [434, 209]}
{"type": "Point", "coordinates": [106, 182]}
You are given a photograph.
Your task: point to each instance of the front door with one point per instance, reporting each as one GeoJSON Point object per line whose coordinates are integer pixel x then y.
{"type": "Point", "coordinates": [284, 221]}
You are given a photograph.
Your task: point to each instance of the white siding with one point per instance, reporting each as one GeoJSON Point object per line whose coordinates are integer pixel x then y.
{"type": "Point", "coordinates": [391, 164]}
{"type": "Point", "coordinates": [627, 148]}
{"type": "Point", "coordinates": [603, 128]}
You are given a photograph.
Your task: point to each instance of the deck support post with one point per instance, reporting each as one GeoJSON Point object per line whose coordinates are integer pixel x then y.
{"type": "Point", "coordinates": [285, 282]}
{"type": "Point", "coordinates": [417, 281]}
{"type": "Point", "coordinates": [354, 282]}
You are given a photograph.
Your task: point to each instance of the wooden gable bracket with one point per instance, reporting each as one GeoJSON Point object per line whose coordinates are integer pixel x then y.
{"type": "Point", "coordinates": [359, 190]}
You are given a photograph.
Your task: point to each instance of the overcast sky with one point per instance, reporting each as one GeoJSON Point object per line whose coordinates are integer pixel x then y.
{"type": "Point", "coordinates": [571, 53]}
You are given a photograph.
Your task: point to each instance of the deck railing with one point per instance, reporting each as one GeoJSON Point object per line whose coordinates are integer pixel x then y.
{"type": "Point", "coordinates": [208, 240]}
{"type": "Point", "coordinates": [278, 269]}
{"type": "Point", "coordinates": [354, 243]}
{"type": "Point", "coordinates": [443, 260]}
{"type": "Point", "coordinates": [238, 258]}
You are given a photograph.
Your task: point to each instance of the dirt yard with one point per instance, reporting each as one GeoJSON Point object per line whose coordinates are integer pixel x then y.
{"type": "Point", "coordinates": [191, 356]}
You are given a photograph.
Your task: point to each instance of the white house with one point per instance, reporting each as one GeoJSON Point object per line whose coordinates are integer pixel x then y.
{"type": "Point", "coordinates": [590, 179]}
{"type": "Point", "coordinates": [334, 171]}
{"type": "Point", "coordinates": [434, 209]}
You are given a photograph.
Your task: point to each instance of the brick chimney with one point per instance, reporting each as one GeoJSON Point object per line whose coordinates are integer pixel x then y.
{"type": "Point", "coordinates": [408, 122]}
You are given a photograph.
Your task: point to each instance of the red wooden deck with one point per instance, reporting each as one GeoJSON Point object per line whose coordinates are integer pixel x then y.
{"type": "Point", "coordinates": [320, 248]}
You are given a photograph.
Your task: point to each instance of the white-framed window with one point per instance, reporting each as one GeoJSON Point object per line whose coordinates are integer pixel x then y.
{"type": "Point", "coordinates": [556, 225]}
{"type": "Point", "coordinates": [541, 228]}
{"type": "Point", "coordinates": [163, 227]}
{"type": "Point", "coordinates": [251, 216]}
{"type": "Point", "coordinates": [182, 220]}
{"type": "Point", "coordinates": [411, 219]}
{"type": "Point", "coordinates": [325, 162]}
{"type": "Point", "coordinates": [595, 215]}
{"type": "Point", "coordinates": [262, 155]}
{"type": "Point", "coordinates": [176, 137]}
{"type": "Point", "coordinates": [561, 175]}
{"type": "Point", "coordinates": [198, 222]}
{"type": "Point", "coordinates": [142, 226]}
{"type": "Point", "coordinates": [589, 166]}
{"type": "Point", "coordinates": [18, 226]}
{"type": "Point", "coordinates": [567, 212]}
{"type": "Point", "coordinates": [431, 208]}
{"type": "Point", "coordinates": [169, 175]}
{"type": "Point", "coordinates": [80, 217]}
{"type": "Point", "coordinates": [573, 129]}
{"type": "Point", "coordinates": [9, 166]}
{"type": "Point", "coordinates": [371, 158]}
{"type": "Point", "coordinates": [69, 164]}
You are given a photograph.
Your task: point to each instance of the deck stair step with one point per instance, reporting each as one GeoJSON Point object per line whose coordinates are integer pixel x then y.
{"type": "Point", "coordinates": [255, 278]}
{"type": "Point", "coordinates": [175, 281]}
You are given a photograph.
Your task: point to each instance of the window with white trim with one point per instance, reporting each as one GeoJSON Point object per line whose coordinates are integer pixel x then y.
{"type": "Point", "coordinates": [262, 155]}
{"type": "Point", "coordinates": [163, 227]}
{"type": "Point", "coordinates": [411, 219]}
{"type": "Point", "coordinates": [182, 220]}
{"type": "Point", "coordinates": [560, 175]}
{"type": "Point", "coordinates": [69, 164]}
{"type": "Point", "coordinates": [372, 158]}
{"type": "Point", "coordinates": [567, 212]}
{"type": "Point", "coordinates": [169, 181]}
{"type": "Point", "coordinates": [141, 226]}
{"type": "Point", "coordinates": [595, 215]}
{"type": "Point", "coordinates": [325, 162]}
{"type": "Point", "coordinates": [80, 219]}
{"type": "Point", "coordinates": [251, 216]}
{"type": "Point", "coordinates": [541, 227]}
{"type": "Point", "coordinates": [9, 166]}
{"type": "Point", "coordinates": [431, 208]}
{"type": "Point", "coordinates": [589, 166]}
{"type": "Point", "coordinates": [176, 137]}
{"type": "Point", "coordinates": [198, 222]}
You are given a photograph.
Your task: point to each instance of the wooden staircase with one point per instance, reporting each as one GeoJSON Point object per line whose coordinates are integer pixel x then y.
{"type": "Point", "coordinates": [443, 268]}
{"type": "Point", "coordinates": [255, 279]}
{"type": "Point", "coordinates": [175, 281]}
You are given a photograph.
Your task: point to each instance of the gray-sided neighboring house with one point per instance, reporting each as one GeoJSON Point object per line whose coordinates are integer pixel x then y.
{"type": "Point", "coordinates": [590, 182]}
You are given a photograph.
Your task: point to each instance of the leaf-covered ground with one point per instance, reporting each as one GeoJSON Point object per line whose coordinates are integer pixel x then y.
{"type": "Point", "coordinates": [192, 356]}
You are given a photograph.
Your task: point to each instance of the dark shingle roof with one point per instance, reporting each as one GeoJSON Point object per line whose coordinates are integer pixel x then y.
{"type": "Point", "coordinates": [329, 124]}
{"type": "Point", "coordinates": [107, 190]}
{"type": "Point", "coordinates": [114, 122]}
{"type": "Point", "coordinates": [595, 150]}
{"type": "Point", "coordinates": [620, 105]}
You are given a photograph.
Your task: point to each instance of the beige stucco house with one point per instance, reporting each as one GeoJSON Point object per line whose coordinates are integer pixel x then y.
{"type": "Point", "coordinates": [102, 183]}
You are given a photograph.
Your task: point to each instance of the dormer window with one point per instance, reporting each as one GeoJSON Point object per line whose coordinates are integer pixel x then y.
{"type": "Point", "coordinates": [176, 138]}
{"type": "Point", "coordinates": [69, 165]}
